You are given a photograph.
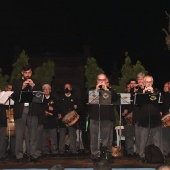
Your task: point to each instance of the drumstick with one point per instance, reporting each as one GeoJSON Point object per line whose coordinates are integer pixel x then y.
{"type": "Point", "coordinates": [48, 113]}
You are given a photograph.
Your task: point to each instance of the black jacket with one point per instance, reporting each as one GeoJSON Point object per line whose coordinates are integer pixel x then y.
{"type": "Point", "coordinates": [66, 105]}
{"type": "Point", "coordinates": [50, 122]}
{"type": "Point", "coordinates": [34, 108]}
{"type": "Point", "coordinates": [3, 118]}
{"type": "Point", "coordinates": [165, 106]}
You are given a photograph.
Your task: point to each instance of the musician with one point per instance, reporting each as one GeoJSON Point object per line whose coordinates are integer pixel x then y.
{"type": "Point", "coordinates": [67, 103]}
{"type": "Point", "coordinates": [8, 87]}
{"type": "Point", "coordinates": [50, 121]}
{"type": "Point", "coordinates": [150, 120]}
{"type": "Point", "coordinates": [136, 109]}
{"type": "Point", "coordinates": [165, 110]}
{"type": "Point", "coordinates": [105, 119]}
{"type": "Point", "coordinates": [127, 111]}
{"type": "Point", "coordinates": [3, 127]}
{"type": "Point", "coordinates": [26, 114]}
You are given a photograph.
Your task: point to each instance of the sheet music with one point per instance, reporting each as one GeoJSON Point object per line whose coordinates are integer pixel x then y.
{"type": "Point", "coordinates": [93, 97]}
{"type": "Point", "coordinates": [4, 96]}
{"type": "Point", "coordinates": [38, 97]}
{"type": "Point", "coordinates": [9, 102]}
{"type": "Point", "coordinates": [125, 98]}
{"type": "Point", "coordinates": [105, 97]}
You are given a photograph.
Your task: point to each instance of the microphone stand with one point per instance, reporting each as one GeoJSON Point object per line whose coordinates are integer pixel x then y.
{"type": "Point", "coordinates": [120, 120]}
{"type": "Point", "coordinates": [99, 134]}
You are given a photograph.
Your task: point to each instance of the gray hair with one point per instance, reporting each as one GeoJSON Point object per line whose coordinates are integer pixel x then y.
{"type": "Point", "coordinates": [46, 85]}
{"type": "Point", "coordinates": [141, 74]}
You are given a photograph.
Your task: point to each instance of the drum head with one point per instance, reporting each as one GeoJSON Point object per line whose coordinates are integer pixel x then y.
{"type": "Point", "coordinates": [70, 118]}
{"type": "Point", "coordinates": [166, 120]}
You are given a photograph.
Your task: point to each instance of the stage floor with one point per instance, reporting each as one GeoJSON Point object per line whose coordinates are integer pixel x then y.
{"type": "Point", "coordinates": [81, 161]}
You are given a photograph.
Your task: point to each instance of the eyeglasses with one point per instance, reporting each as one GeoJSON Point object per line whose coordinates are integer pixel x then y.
{"type": "Point", "coordinates": [101, 79]}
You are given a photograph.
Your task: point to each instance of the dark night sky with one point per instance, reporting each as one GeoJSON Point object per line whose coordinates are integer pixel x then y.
{"type": "Point", "coordinates": [109, 27]}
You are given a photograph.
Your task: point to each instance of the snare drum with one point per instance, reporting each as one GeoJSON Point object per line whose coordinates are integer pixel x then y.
{"type": "Point", "coordinates": [129, 118]}
{"type": "Point", "coordinates": [166, 120]}
{"type": "Point", "coordinates": [10, 130]}
{"type": "Point", "coordinates": [70, 118]}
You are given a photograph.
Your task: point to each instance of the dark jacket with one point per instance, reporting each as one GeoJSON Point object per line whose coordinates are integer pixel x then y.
{"type": "Point", "coordinates": [3, 118]}
{"type": "Point", "coordinates": [50, 122]}
{"type": "Point", "coordinates": [34, 108]}
{"type": "Point", "coordinates": [66, 105]}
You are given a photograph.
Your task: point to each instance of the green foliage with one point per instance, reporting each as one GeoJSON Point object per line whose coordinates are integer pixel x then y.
{"type": "Point", "coordinates": [91, 72]}
{"type": "Point", "coordinates": [3, 80]}
{"type": "Point", "coordinates": [45, 73]}
{"type": "Point", "coordinates": [139, 68]}
{"type": "Point", "coordinates": [128, 71]}
{"type": "Point", "coordinates": [18, 65]}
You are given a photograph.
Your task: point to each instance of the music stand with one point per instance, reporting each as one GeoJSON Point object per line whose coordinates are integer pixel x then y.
{"type": "Point", "coordinates": [105, 97]}
{"type": "Point", "coordinates": [26, 97]}
{"type": "Point", "coordinates": [99, 97]}
{"type": "Point", "coordinates": [93, 97]}
{"type": "Point", "coordinates": [31, 97]}
{"type": "Point", "coordinates": [38, 97]}
{"type": "Point", "coordinates": [146, 98]}
{"type": "Point", "coordinates": [124, 99]}
{"type": "Point", "coordinates": [6, 100]}
{"type": "Point", "coordinates": [9, 102]}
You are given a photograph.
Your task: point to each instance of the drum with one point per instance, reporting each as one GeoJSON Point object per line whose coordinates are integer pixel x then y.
{"type": "Point", "coordinates": [70, 118]}
{"type": "Point", "coordinates": [10, 130]}
{"type": "Point", "coordinates": [10, 123]}
{"type": "Point", "coordinates": [166, 120]}
{"type": "Point", "coordinates": [129, 118]}
{"type": "Point", "coordinates": [10, 114]}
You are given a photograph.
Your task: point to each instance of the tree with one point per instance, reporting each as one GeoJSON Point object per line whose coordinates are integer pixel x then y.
{"type": "Point", "coordinates": [45, 73]}
{"type": "Point", "coordinates": [91, 72]}
{"type": "Point", "coordinates": [167, 39]}
{"type": "Point", "coordinates": [18, 65]}
{"type": "Point", "coordinates": [129, 71]}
